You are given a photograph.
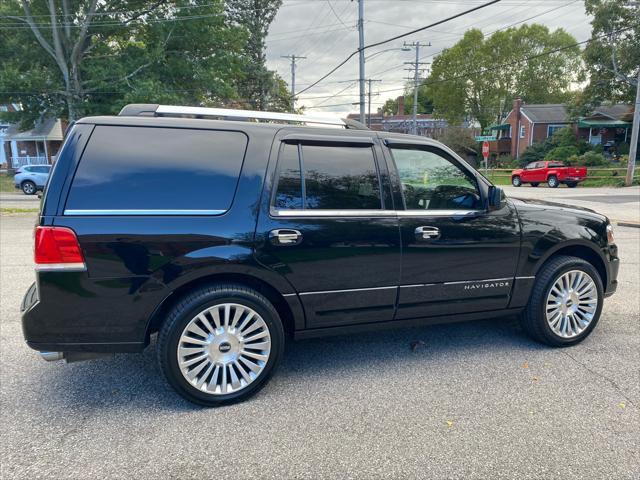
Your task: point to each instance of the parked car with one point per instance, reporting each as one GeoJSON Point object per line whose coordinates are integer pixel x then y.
{"type": "Point", "coordinates": [228, 238]}
{"type": "Point", "coordinates": [552, 173]}
{"type": "Point", "coordinates": [32, 178]}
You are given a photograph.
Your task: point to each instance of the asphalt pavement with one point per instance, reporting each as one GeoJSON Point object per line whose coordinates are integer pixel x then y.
{"type": "Point", "coordinates": [473, 400]}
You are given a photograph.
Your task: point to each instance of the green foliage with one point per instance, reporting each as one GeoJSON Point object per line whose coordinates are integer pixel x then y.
{"type": "Point", "coordinates": [592, 159]}
{"type": "Point", "coordinates": [561, 154]}
{"type": "Point", "coordinates": [460, 140]}
{"type": "Point", "coordinates": [461, 89]}
{"type": "Point", "coordinates": [612, 57]}
{"type": "Point", "coordinates": [190, 52]}
{"type": "Point", "coordinates": [561, 146]}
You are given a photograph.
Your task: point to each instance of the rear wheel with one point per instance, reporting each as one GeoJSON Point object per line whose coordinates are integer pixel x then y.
{"type": "Point", "coordinates": [552, 181]}
{"type": "Point", "coordinates": [565, 303]}
{"type": "Point", "coordinates": [220, 344]}
{"type": "Point", "coordinates": [515, 181]}
{"type": "Point", "coordinates": [28, 187]}
{"type": "Point", "coordinates": [535, 184]}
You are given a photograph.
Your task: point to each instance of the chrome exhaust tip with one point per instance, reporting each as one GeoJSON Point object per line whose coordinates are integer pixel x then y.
{"type": "Point", "coordinates": [52, 356]}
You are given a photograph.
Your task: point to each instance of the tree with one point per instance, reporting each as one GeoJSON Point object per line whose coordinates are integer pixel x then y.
{"type": "Point", "coordinates": [478, 77]}
{"type": "Point", "coordinates": [75, 57]}
{"type": "Point", "coordinates": [260, 88]}
{"type": "Point", "coordinates": [612, 56]}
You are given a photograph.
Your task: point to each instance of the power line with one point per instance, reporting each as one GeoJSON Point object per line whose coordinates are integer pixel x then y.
{"type": "Point", "coordinates": [439, 22]}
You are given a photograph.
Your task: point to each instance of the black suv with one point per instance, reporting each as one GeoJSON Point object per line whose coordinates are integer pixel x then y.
{"type": "Point", "coordinates": [228, 236]}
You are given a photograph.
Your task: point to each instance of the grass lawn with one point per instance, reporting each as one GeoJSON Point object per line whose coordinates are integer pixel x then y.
{"type": "Point", "coordinates": [499, 178]}
{"type": "Point", "coordinates": [9, 211]}
{"type": "Point", "coordinates": [6, 183]}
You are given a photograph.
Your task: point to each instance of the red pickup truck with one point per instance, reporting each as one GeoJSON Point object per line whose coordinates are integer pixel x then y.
{"type": "Point", "coordinates": [553, 173]}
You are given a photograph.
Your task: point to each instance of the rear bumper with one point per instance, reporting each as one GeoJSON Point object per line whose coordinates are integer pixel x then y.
{"type": "Point", "coordinates": [61, 327]}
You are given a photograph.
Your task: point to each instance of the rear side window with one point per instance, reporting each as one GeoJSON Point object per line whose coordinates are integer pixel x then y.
{"type": "Point", "coordinates": [152, 170]}
{"type": "Point", "coordinates": [322, 177]}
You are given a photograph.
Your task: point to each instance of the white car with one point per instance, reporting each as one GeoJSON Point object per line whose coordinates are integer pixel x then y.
{"type": "Point", "coordinates": [32, 178]}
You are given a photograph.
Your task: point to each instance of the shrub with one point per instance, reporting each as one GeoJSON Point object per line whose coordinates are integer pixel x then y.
{"type": "Point", "coordinates": [592, 159]}
{"type": "Point", "coordinates": [562, 153]}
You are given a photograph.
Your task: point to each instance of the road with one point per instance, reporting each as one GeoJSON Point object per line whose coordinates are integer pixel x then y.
{"type": "Point", "coordinates": [475, 401]}
{"type": "Point", "coordinates": [619, 204]}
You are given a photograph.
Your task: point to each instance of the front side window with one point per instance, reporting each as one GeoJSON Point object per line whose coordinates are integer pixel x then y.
{"type": "Point", "coordinates": [323, 177]}
{"type": "Point", "coordinates": [432, 181]}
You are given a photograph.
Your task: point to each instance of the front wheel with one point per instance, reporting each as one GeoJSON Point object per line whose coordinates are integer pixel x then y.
{"type": "Point", "coordinates": [552, 181]}
{"type": "Point", "coordinates": [565, 303]}
{"type": "Point", "coordinates": [515, 181]}
{"type": "Point", "coordinates": [28, 187]}
{"type": "Point", "coordinates": [220, 344]}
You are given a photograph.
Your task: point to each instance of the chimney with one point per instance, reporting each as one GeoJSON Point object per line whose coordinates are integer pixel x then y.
{"type": "Point", "coordinates": [517, 104]}
{"type": "Point", "coordinates": [401, 105]}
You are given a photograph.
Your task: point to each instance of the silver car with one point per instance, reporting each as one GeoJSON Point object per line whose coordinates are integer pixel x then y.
{"type": "Point", "coordinates": [32, 178]}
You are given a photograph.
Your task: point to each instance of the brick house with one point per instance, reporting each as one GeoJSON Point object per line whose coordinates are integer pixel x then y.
{"type": "Point", "coordinates": [528, 124]}
{"type": "Point", "coordinates": [401, 122]}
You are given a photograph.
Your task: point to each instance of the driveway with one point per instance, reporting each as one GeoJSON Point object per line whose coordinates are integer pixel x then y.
{"type": "Point", "coordinates": [473, 400]}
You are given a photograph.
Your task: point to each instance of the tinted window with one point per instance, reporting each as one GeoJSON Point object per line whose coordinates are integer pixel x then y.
{"type": "Point", "coordinates": [555, 164]}
{"type": "Point", "coordinates": [40, 169]}
{"type": "Point", "coordinates": [138, 168]}
{"type": "Point", "coordinates": [431, 181]}
{"type": "Point", "coordinates": [338, 178]}
{"type": "Point", "coordinates": [289, 191]}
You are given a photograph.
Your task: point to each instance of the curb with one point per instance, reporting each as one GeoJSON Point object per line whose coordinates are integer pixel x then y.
{"type": "Point", "coordinates": [628, 224]}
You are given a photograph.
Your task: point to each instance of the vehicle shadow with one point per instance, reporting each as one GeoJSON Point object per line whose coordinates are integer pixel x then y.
{"type": "Point", "coordinates": [136, 380]}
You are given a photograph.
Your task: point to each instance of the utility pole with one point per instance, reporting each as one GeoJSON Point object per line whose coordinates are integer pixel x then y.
{"type": "Point", "coordinates": [370, 81]}
{"type": "Point", "coordinates": [361, 55]}
{"type": "Point", "coordinates": [416, 82]}
{"type": "Point", "coordinates": [293, 59]}
{"type": "Point", "coordinates": [633, 150]}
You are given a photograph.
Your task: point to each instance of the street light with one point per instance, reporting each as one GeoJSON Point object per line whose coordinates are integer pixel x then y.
{"type": "Point", "coordinates": [401, 49]}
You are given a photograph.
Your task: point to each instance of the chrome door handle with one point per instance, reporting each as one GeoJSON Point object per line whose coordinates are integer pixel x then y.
{"type": "Point", "coordinates": [427, 233]}
{"type": "Point", "coordinates": [285, 237]}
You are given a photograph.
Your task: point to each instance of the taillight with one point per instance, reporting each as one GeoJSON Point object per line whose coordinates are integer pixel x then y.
{"type": "Point", "coordinates": [18, 171]}
{"type": "Point", "coordinates": [57, 248]}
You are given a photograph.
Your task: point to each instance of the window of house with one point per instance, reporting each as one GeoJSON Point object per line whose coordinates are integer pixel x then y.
{"type": "Point", "coordinates": [551, 129]}
{"type": "Point", "coordinates": [324, 177]}
{"type": "Point", "coordinates": [522, 131]}
{"type": "Point", "coordinates": [431, 180]}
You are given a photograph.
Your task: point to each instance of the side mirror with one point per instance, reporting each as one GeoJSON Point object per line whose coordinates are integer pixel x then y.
{"type": "Point", "coordinates": [496, 197]}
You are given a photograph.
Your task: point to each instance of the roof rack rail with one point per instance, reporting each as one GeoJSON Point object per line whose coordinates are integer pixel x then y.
{"type": "Point", "coordinates": [155, 110]}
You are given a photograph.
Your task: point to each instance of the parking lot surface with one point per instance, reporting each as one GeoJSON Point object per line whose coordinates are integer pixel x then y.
{"type": "Point", "coordinates": [470, 400]}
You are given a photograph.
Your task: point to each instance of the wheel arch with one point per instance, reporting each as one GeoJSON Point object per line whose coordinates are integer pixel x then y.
{"type": "Point", "coordinates": [581, 250]}
{"type": "Point", "coordinates": [288, 307]}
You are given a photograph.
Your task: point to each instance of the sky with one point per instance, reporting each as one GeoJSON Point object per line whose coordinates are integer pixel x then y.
{"type": "Point", "coordinates": [325, 32]}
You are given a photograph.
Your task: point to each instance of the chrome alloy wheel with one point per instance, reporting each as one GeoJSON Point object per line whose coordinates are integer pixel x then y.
{"type": "Point", "coordinates": [224, 348]}
{"type": "Point", "coordinates": [571, 303]}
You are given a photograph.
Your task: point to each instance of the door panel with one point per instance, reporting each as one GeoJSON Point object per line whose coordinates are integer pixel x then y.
{"type": "Point", "coordinates": [342, 268]}
{"type": "Point", "coordinates": [469, 268]}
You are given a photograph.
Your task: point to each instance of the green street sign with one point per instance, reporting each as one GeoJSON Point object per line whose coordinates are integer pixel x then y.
{"type": "Point", "coordinates": [488, 138]}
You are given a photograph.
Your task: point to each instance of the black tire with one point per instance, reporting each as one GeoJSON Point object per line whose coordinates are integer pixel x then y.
{"type": "Point", "coordinates": [516, 182]}
{"type": "Point", "coordinates": [572, 184]}
{"type": "Point", "coordinates": [535, 184]}
{"type": "Point", "coordinates": [28, 187]}
{"type": "Point", "coordinates": [194, 303]}
{"type": "Point", "coordinates": [533, 319]}
{"type": "Point", "coordinates": [552, 181]}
